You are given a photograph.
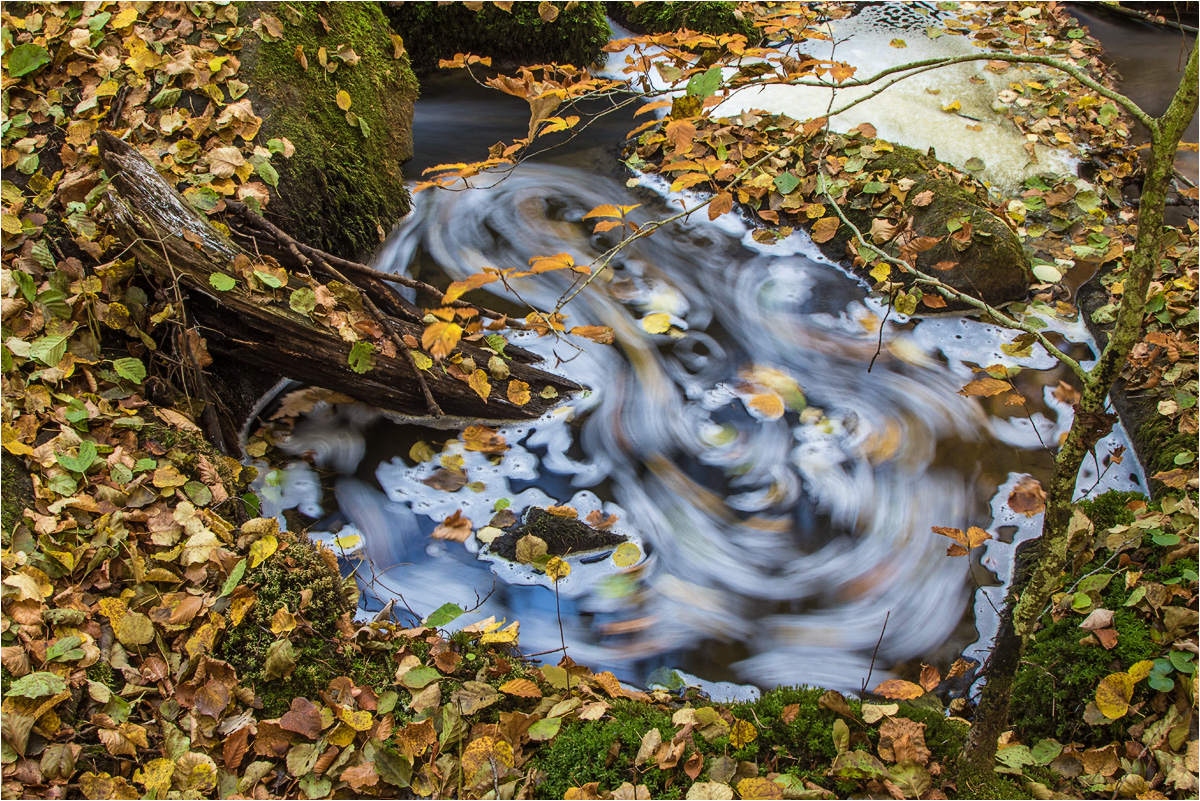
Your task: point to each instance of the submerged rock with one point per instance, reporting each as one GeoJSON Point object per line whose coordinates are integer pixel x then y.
{"type": "Point", "coordinates": [563, 535]}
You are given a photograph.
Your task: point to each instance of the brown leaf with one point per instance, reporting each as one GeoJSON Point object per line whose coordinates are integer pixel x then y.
{"type": "Point", "coordinates": [455, 528]}
{"type": "Point", "coordinates": [789, 713]}
{"type": "Point", "coordinates": [694, 765]}
{"type": "Point", "coordinates": [601, 334]}
{"type": "Point", "coordinates": [1107, 638]}
{"type": "Point", "coordinates": [446, 480]}
{"type": "Point", "coordinates": [483, 440]}
{"type": "Point", "coordinates": [973, 537]}
{"type": "Point", "coordinates": [959, 668]}
{"type": "Point", "coordinates": [523, 688]}
{"type": "Point", "coordinates": [825, 229]}
{"type": "Point", "coordinates": [901, 739]}
{"type": "Point", "coordinates": [1027, 497]}
{"type": "Point", "coordinates": [899, 689]}
{"type": "Point", "coordinates": [721, 204]}
{"type": "Point", "coordinates": [1066, 393]}
{"type": "Point", "coordinates": [681, 133]}
{"type": "Point", "coordinates": [835, 702]}
{"type": "Point", "coordinates": [447, 661]}
{"type": "Point", "coordinates": [303, 718]}
{"type": "Point", "coordinates": [235, 748]}
{"type": "Point", "coordinates": [361, 776]}
{"type": "Point", "coordinates": [923, 198]}
{"type": "Point", "coordinates": [985, 387]}
{"type": "Point", "coordinates": [930, 678]}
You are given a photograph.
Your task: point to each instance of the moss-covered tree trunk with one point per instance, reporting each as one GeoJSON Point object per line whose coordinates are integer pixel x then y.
{"type": "Point", "coordinates": [1031, 592]}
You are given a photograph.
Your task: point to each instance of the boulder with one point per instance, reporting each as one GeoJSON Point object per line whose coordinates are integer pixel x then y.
{"type": "Point", "coordinates": [342, 189]}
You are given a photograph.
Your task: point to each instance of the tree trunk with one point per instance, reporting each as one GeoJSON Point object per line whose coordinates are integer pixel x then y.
{"type": "Point", "coordinates": [182, 248]}
{"type": "Point", "coordinates": [1033, 589]}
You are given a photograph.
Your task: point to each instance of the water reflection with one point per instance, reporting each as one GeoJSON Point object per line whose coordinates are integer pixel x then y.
{"type": "Point", "coordinates": [777, 546]}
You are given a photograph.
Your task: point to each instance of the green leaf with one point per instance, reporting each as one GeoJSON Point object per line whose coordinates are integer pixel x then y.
{"type": "Point", "coordinates": [167, 96]}
{"type": "Point", "coordinates": [25, 282]}
{"type": "Point", "coordinates": [545, 729]}
{"type": "Point", "coordinates": [705, 84]}
{"type": "Point", "coordinates": [131, 369]}
{"type": "Point", "coordinates": [198, 493]}
{"type": "Point", "coordinates": [80, 463]}
{"type": "Point", "coordinates": [785, 182]}
{"type": "Point", "coordinates": [268, 173]}
{"type": "Point", "coordinates": [221, 282]}
{"type": "Point", "coordinates": [303, 300]}
{"type": "Point", "coordinates": [24, 59]}
{"type": "Point", "coordinates": [65, 650]}
{"type": "Point", "coordinates": [874, 187]}
{"type": "Point", "coordinates": [497, 343]}
{"type": "Point", "coordinates": [362, 358]}
{"type": "Point", "coordinates": [235, 578]}
{"type": "Point", "coordinates": [386, 702]}
{"type": "Point", "coordinates": [281, 660]}
{"type": "Point", "coordinates": [36, 685]}
{"type": "Point", "coordinates": [1165, 539]}
{"type": "Point", "coordinates": [420, 677]}
{"type": "Point", "coordinates": [393, 768]}
{"type": "Point", "coordinates": [363, 128]}
{"type": "Point", "coordinates": [268, 279]}
{"type": "Point", "coordinates": [1182, 661]}
{"type": "Point", "coordinates": [1046, 751]}
{"type": "Point", "coordinates": [49, 350]}
{"type": "Point", "coordinates": [446, 613]}
{"type": "Point", "coordinates": [974, 164]}
{"type": "Point", "coordinates": [120, 473]}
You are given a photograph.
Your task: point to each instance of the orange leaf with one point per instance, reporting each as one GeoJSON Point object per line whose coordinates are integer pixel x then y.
{"type": "Point", "coordinates": [720, 204]}
{"type": "Point", "coordinates": [973, 537]}
{"type": "Point", "coordinates": [824, 229]}
{"type": "Point", "coordinates": [652, 106]}
{"type": "Point", "coordinates": [597, 333]}
{"type": "Point", "coordinates": [559, 261]}
{"type": "Point", "coordinates": [483, 440]}
{"type": "Point", "coordinates": [768, 405]}
{"type": "Point", "coordinates": [455, 528]}
{"type": "Point", "coordinates": [460, 288]}
{"type": "Point", "coordinates": [440, 338]}
{"type": "Point", "coordinates": [606, 210]}
{"type": "Point", "coordinates": [681, 133]}
{"type": "Point", "coordinates": [899, 690]}
{"type": "Point", "coordinates": [562, 511]}
{"type": "Point", "coordinates": [930, 678]}
{"type": "Point", "coordinates": [523, 688]}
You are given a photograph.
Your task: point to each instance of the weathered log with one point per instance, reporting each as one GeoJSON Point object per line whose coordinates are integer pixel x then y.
{"type": "Point", "coordinates": [180, 246]}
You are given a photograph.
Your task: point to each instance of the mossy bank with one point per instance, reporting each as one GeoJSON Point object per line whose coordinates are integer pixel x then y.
{"type": "Point", "coordinates": [433, 31]}
{"type": "Point", "coordinates": [703, 17]}
{"type": "Point", "coordinates": [343, 188]}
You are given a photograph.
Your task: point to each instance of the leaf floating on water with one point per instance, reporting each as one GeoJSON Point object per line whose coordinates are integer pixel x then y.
{"type": "Point", "coordinates": [627, 554]}
{"type": "Point", "coordinates": [456, 528]}
{"type": "Point", "coordinates": [971, 538]}
{"type": "Point", "coordinates": [657, 323]}
{"type": "Point", "coordinates": [529, 548]}
{"type": "Point", "coordinates": [483, 440]}
{"type": "Point", "coordinates": [766, 406]}
{"type": "Point", "coordinates": [985, 387]}
{"type": "Point", "coordinates": [1028, 497]}
{"type": "Point", "coordinates": [557, 569]}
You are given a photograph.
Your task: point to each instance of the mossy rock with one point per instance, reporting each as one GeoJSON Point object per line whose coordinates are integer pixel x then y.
{"type": "Point", "coordinates": [342, 190]}
{"type": "Point", "coordinates": [702, 17]}
{"type": "Point", "coordinates": [277, 582]}
{"type": "Point", "coordinates": [17, 496]}
{"type": "Point", "coordinates": [562, 535]}
{"type": "Point", "coordinates": [992, 267]}
{"type": "Point", "coordinates": [433, 31]}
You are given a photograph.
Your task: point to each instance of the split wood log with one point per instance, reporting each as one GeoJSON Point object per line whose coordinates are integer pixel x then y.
{"type": "Point", "coordinates": [180, 246]}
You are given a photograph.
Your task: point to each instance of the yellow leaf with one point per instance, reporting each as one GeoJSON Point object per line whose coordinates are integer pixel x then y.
{"type": "Point", "coordinates": [1113, 694]}
{"type": "Point", "coordinates": [627, 553]}
{"type": "Point", "coordinates": [459, 288]}
{"type": "Point", "coordinates": [342, 736]}
{"type": "Point", "coordinates": [658, 323]}
{"type": "Point", "coordinates": [955, 106]}
{"type": "Point", "coordinates": [824, 229]}
{"type": "Point", "coordinates": [605, 210]}
{"type": "Point", "coordinates": [440, 338]}
{"type": "Point", "coordinates": [283, 621]}
{"type": "Point", "coordinates": [422, 361]}
{"type": "Point", "coordinates": [343, 100]}
{"type": "Point", "coordinates": [479, 382]}
{"type": "Point", "coordinates": [262, 549]}
{"type": "Point", "coordinates": [518, 392]}
{"type": "Point", "coordinates": [357, 719]}
{"type": "Point", "coordinates": [113, 609]}
{"type": "Point", "coordinates": [742, 733]}
{"type": "Point", "coordinates": [768, 406]}
{"type": "Point", "coordinates": [559, 261]}
{"type": "Point", "coordinates": [986, 387]}
{"type": "Point", "coordinates": [124, 20]}
{"type": "Point", "coordinates": [881, 271]}
{"type": "Point", "coordinates": [157, 773]}
{"type": "Point", "coordinates": [557, 569]}
{"type": "Point", "coordinates": [1140, 670]}
{"type": "Point", "coordinates": [240, 605]}
{"type": "Point", "coordinates": [505, 636]}
{"type": "Point", "coordinates": [758, 787]}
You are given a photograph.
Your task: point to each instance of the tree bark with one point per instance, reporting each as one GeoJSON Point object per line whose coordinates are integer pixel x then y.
{"type": "Point", "coordinates": [1032, 590]}
{"type": "Point", "coordinates": [181, 247]}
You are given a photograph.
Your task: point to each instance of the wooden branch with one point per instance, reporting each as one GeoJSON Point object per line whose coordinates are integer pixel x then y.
{"type": "Point", "coordinates": [172, 239]}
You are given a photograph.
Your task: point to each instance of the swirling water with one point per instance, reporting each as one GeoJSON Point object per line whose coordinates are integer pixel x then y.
{"type": "Point", "coordinates": [776, 548]}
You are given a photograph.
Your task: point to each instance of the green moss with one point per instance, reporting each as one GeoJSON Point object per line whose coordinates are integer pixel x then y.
{"type": "Point", "coordinates": [703, 17]}
{"type": "Point", "coordinates": [18, 494]}
{"type": "Point", "coordinates": [1162, 441]}
{"type": "Point", "coordinates": [277, 582]}
{"type": "Point", "coordinates": [433, 31]}
{"type": "Point", "coordinates": [578, 754]}
{"type": "Point", "coordinates": [342, 190]}
{"type": "Point", "coordinates": [1109, 509]}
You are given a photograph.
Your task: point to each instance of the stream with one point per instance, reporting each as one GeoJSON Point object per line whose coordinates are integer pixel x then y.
{"type": "Point", "coordinates": [775, 551]}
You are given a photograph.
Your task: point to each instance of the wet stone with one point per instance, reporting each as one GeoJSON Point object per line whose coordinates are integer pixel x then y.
{"type": "Point", "coordinates": [563, 535]}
